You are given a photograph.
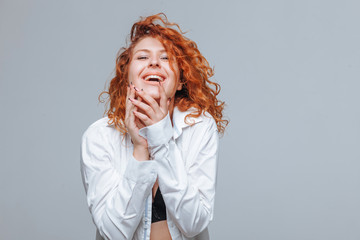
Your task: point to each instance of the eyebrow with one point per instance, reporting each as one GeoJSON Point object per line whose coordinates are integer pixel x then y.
{"type": "Point", "coordinates": [147, 50]}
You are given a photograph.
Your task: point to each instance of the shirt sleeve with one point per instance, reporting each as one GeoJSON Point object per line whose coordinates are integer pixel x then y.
{"type": "Point", "coordinates": [188, 191]}
{"type": "Point", "coordinates": [116, 201]}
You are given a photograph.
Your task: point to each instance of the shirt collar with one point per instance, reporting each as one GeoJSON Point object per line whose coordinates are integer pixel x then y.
{"type": "Point", "coordinates": [179, 120]}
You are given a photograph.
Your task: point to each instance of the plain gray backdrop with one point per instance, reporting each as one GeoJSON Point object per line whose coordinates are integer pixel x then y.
{"type": "Point", "coordinates": [289, 70]}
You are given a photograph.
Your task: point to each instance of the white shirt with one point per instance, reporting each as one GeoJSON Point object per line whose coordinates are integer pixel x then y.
{"type": "Point", "coordinates": [119, 187]}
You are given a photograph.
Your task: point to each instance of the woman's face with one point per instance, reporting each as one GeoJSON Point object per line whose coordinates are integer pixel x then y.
{"type": "Point", "coordinates": [149, 65]}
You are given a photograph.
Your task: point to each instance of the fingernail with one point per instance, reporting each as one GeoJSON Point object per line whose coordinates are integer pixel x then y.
{"type": "Point", "coordinates": [142, 89]}
{"type": "Point", "coordinates": [131, 83]}
{"type": "Point", "coordinates": [136, 89]}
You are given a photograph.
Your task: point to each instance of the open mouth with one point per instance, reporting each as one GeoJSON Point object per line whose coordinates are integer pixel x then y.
{"type": "Point", "coordinates": [154, 78]}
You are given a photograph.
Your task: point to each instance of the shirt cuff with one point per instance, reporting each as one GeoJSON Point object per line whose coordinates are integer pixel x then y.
{"type": "Point", "coordinates": [159, 133]}
{"type": "Point", "coordinates": [140, 171]}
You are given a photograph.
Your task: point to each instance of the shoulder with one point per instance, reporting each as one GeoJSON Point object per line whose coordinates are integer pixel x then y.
{"type": "Point", "coordinates": [205, 119]}
{"type": "Point", "coordinates": [206, 124]}
{"type": "Point", "coordinates": [201, 124]}
{"type": "Point", "coordinates": [201, 135]}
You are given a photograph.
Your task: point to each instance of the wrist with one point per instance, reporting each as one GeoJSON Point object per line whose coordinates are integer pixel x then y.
{"type": "Point", "coordinates": [141, 153]}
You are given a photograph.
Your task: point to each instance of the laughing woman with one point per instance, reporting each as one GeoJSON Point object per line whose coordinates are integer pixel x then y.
{"type": "Point", "coordinates": [149, 167]}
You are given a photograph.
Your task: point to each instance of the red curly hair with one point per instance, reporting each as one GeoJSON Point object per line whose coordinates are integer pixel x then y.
{"type": "Point", "coordinates": [197, 90]}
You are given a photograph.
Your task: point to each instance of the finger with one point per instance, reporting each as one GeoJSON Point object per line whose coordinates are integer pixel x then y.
{"type": "Point", "coordinates": [163, 98]}
{"type": "Point", "coordinates": [138, 97]}
{"type": "Point", "coordinates": [145, 119]}
{"type": "Point", "coordinates": [130, 95]}
{"type": "Point", "coordinates": [148, 99]}
{"type": "Point", "coordinates": [132, 92]}
{"type": "Point", "coordinates": [127, 102]}
{"type": "Point", "coordinates": [139, 123]}
{"type": "Point", "coordinates": [132, 120]}
{"type": "Point", "coordinates": [129, 105]}
{"type": "Point", "coordinates": [143, 106]}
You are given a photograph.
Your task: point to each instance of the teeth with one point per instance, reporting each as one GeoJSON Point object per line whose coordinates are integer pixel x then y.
{"type": "Point", "coordinates": [154, 76]}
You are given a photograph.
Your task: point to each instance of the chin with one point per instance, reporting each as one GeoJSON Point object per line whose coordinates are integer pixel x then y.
{"type": "Point", "coordinates": [155, 96]}
{"type": "Point", "coordinates": [154, 93]}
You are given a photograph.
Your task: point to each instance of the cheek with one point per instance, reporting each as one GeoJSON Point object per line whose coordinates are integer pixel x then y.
{"type": "Point", "coordinates": [130, 71]}
{"type": "Point", "coordinates": [172, 87]}
{"type": "Point", "coordinates": [174, 74]}
{"type": "Point", "coordinates": [133, 72]}
{"type": "Point", "coordinates": [175, 79]}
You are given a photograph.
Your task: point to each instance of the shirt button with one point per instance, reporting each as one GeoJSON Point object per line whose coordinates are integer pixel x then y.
{"type": "Point", "coordinates": [146, 225]}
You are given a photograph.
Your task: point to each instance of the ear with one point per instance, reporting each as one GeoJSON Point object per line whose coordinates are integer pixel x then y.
{"type": "Point", "coordinates": [179, 86]}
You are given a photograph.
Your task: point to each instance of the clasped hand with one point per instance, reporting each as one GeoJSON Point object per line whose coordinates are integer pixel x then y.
{"type": "Point", "coordinates": [143, 110]}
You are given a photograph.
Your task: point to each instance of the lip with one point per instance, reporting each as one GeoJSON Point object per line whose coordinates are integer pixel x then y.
{"type": "Point", "coordinates": [153, 73]}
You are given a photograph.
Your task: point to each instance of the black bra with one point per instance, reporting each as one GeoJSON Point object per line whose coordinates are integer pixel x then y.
{"type": "Point", "coordinates": [158, 208]}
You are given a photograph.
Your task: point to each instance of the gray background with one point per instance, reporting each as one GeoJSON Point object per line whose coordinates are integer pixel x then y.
{"type": "Point", "coordinates": [289, 71]}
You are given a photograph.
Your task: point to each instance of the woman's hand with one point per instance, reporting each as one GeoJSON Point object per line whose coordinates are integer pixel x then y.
{"type": "Point", "coordinates": [152, 112]}
{"type": "Point", "coordinates": [133, 126]}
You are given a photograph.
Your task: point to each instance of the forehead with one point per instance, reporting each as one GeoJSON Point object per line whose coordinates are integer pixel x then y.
{"type": "Point", "coordinates": [150, 44]}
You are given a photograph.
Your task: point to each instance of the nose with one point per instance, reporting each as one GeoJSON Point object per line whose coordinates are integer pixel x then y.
{"type": "Point", "coordinates": [154, 62]}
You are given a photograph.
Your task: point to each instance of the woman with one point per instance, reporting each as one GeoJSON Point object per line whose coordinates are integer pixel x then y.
{"type": "Point", "coordinates": [149, 167]}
